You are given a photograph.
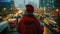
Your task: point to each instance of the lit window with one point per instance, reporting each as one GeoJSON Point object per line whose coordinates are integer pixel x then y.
{"type": "Point", "coordinates": [4, 9]}
{"type": "Point", "coordinates": [11, 4]}
{"type": "Point", "coordinates": [10, 8]}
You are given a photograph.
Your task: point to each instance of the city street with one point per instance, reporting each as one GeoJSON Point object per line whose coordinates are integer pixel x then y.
{"type": "Point", "coordinates": [45, 23]}
{"type": "Point", "coordinates": [46, 11]}
{"type": "Point", "coordinates": [46, 29]}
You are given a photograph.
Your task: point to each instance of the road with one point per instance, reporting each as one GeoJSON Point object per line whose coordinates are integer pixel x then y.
{"type": "Point", "coordinates": [46, 29]}
{"type": "Point", "coordinates": [50, 29]}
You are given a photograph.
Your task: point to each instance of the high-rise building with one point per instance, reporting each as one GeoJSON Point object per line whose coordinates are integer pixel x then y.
{"type": "Point", "coordinates": [12, 4]}
{"type": "Point", "coordinates": [12, 8]}
{"type": "Point", "coordinates": [43, 4]}
{"type": "Point", "coordinates": [21, 6]}
{"type": "Point", "coordinates": [52, 4]}
{"type": "Point", "coordinates": [4, 6]}
{"type": "Point", "coordinates": [34, 4]}
{"type": "Point", "coordinates": [57, 3]}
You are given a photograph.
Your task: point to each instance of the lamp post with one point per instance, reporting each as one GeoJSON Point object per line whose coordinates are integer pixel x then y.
{"type": "Point", "coordinates": [57, 10]}
{"type": "Point", "coordinates": [58, 19]}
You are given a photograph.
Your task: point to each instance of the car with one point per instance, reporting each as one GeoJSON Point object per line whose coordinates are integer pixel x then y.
{"type": "Point", "coordinates": [54, 25]}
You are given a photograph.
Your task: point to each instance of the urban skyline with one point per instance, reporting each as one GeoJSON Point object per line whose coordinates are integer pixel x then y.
{"type": "Point", "coordinates": [17, 2]}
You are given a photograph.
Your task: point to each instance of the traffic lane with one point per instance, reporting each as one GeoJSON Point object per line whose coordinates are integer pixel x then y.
{"type": "Point", "coordinates": [46, 21]}
{"type": "Point", "coordinates": [52, 29]}
{"type": "Point", "coordinates": [46, 30]}
{"type": "Point", "coordinates": [54, 25]}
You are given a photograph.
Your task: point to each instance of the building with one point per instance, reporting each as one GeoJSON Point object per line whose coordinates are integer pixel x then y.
{"type": "Point", "coordinates": [43, 4]}
{"type": "Point", "coordinates": [52, 4]}
{"type": "Point", "coordinates": [57, 3]}
{"type": "Point", "coordinates": [34, 4]}
{"type": "Point", "coordinates": [12, 8]}
{"type": "Point", "coordinates": [21, 6]}
{"type": "Point", "coordinates": [12, 4]}
{"type": "Point", "coordinates": [4, 7]}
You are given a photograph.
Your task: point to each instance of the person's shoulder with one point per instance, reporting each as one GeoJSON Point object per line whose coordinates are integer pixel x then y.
{"type": "Point", "coordinates": [23, 18]}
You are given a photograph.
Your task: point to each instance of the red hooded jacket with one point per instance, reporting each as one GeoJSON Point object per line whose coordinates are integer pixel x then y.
{"type": "Point", "coordinates": [29, 25]}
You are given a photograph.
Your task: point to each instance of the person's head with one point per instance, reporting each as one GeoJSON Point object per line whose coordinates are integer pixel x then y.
{"type": "Point", "coordinates": [29, 8]}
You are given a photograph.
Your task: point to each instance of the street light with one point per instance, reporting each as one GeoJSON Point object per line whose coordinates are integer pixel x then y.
{"type": "Point", "coordinates": [4, 10]}
{"type": "Point", "coordinates": [57, 11]}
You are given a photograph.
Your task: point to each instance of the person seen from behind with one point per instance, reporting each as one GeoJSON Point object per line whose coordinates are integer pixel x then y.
{"type": "Point", "coordinates": [29, 24]}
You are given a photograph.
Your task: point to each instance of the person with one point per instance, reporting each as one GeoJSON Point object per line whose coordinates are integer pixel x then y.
{"type": "Point", "coordinates": [29, 24]}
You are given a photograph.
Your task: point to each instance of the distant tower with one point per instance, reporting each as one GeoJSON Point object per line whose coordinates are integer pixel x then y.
{"type": "Point", "coordinates": [41, 4]}
{"type": "Point", "coordinates": [57, 3]}
{"type": "Point", "coordinates": [24, 2]}
{"type": "Point", "coordinates": [12, 9]}
{"type": "Point", "coordinates": [49, 4]}
{"type": "Point", "coordinates": [46, 4]}
{"type": "Point", "coordinates": [4, 7]}
{"type": "Point", "coordinates": [12, 4]}
{"type": "Point", "coordinates": [33, 3]}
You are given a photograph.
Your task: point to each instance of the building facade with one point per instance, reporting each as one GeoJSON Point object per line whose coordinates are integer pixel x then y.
{"type": "Point", "coordinates": [34, 4]}
{"type": "Point", "coordinates": [57, 3]}
{"type": "Point", "coordinates": [43, 4]}
{"type": "Point", "coordinates": [4, 7]}
{"type": "Point", "coordinates": [12, 4]}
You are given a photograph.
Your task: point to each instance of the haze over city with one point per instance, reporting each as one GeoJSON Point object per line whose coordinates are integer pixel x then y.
{"type": "Point", "coordinates": [17, 2]}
